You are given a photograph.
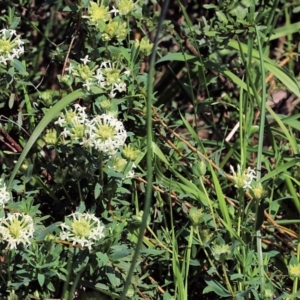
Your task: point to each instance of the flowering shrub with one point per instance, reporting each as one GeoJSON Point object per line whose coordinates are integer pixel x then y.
{"type": "Point", "coordinates": [116, 167]}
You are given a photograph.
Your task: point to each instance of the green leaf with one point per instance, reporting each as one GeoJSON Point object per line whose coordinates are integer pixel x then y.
{"type": "Point", "coordinates": [287, 79]}
{"type": "Point", "coordinates": [279, 169]}
{"type": "Point", "coordinates": [41, 279]}
{"type": "Point", "coordinates": [41, 237]}
{"type": "Point", "coordinates": [11, 100]}
{"type": "Point", "coordinates": [217, 288]}
{"type": "Point", "coordinates": [222, 18]}
{"type": "Point", "coordinates": [221, 199]}
{"type": "Point", "coordinates": [210, 6]}
{"type": "Point", "coordinates": [97, 190]}
{"type": "Point", "coordinates": [119, 254]}
{"type": "Point", "coordinates": [102, 257]}
{"type": "Point", "coordinates": [72, 8]}
{"type": "Point", "coordinates": [20, 67]}
{"type": "Point", "coordinates": [159, 153]}
{"type": "Point", "coordinates": [112, 276]}
{"type": "Point", "coordinates": [178, 57]}
{"type": "Point", "coordinates": [10, 75]}
{"type": "Point", "coordinates": [285, 30]}
{"type": "Point", "coordinates": [260, 216]}
{"type": "Point", "coordinates": [28, 173]}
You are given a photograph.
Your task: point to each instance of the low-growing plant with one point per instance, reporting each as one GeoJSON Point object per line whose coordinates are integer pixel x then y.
{"type": "Point", "coordinates": [141, 157]}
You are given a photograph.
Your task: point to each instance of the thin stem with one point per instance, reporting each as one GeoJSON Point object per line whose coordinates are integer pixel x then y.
{"type": "Point", "coordinates": [149, 191]}
{"type": "Point", "coordinates": [79, 191]}
{"type": "Point", "coordinates": [67, 194]}
{"type": "Point", "coordinates": [75, 283]}
{"type": "Point", "coordinates": [226, 279]}
{"type": "Point", "coordinates": [136, 199]}
{"type": "Point", "coordinates": [65, 292]}
{"type": "Point", "coordinates": [209, 202]}
{"type": "Point", "coordinates": [187, 260]}
{"type": "Point", "coordinates": [157, 239]}
{"type": "Point", "coordinates": [240, 210]}
{"type": "Point", "coordinates": [296, 279]}
{"type": "Point", "coordinates": [259, 154]}
{"type": "Point", "coordinates": [206, 253]}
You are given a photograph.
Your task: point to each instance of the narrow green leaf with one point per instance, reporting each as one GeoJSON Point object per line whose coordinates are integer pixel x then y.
{"type": "Point", "coordinates": [217, 288]}
{"type": "Point", "coordinates": [97, 190]}
{"type": "Point", "coordinates": [159, 153]}
{"type": "Point", "coordinates": [41, 279]}
{"type": "Point", "coordinates": [288, 80]}
{"type": "Point", "coordinates": [221, 200]}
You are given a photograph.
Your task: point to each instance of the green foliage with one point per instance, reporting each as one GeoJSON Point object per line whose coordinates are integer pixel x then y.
{"type": "Point", "coordinates": [145, 158]}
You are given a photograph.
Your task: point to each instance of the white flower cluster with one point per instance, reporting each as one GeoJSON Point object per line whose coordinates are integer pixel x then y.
{"type": "Point", "coordinates": [11, 46]}
{"type": "Point", "coordinates": [107, 76]}
{"type": "Point", "coordinates": [4, 194]}
{"type": "Point", "coordinates": [103, 133]}
{"type": "Point", "coordinates": [83, 229]}
{"type": "Point", "coordinates": [16, 228]}
{"type": "Point", "coordinates": [243, 179]}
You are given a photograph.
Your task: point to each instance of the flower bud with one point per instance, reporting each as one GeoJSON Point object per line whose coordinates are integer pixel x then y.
{"type": "Point", "coordinates": [130, 153]}
{"type": "Point", "coordinates": [51, 136]}
{"type": "Point", "coordinates": [47, 98]}
{"type": "Point", "coordinates": [196, 216]}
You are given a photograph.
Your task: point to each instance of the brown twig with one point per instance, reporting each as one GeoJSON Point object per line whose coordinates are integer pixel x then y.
{"type": "Point", "coordinates": [13, 144]}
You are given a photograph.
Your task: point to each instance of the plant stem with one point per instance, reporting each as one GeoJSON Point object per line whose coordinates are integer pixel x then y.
{"type": "Point", "coordinates": [75, 283]}
{"type": "Point", "coordinates": [226, 279]}
{"type": "Point", "coordinates": [65, 292]}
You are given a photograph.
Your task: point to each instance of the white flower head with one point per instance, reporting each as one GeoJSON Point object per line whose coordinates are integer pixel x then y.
{"type": "Point", "coordinates": [10, 45]}
{"type": "Point", "coordinates": [83, 229]}
{"type": "Point", "coordinates": [243, 179]}
{"type": "Point", "coordinates": [16, 228]}
{"type": "Point", "coordinates": [5, 195]}
{"type": "Point", "coordinates": [109, 76]}
{"type": "Point", "coordinates": [108, 133]}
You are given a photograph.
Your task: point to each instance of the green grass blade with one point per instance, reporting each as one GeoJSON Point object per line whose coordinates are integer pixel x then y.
{"type": "Point", "coordinates": [221, 201]}
{"type": "Point", "coordinates": [288, 80]}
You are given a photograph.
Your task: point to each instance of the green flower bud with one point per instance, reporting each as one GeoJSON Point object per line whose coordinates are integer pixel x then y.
{"type": "Point", "coordinates": [12, 296]}
{"type": "Point", "coordinates": [145, 46]}
{"type": "Point", "coordinates": [268, 294]}
{"type": "Point", "coordinates": [130, 292]}
{"type": "Point", "coordinates": [196, 216]}
{"type": "Point", "coordinates": [105, 105]}
{"type": "Point", "coordinates": [221, 252]}
{"type": "Point", "coordinates": [51, 137]}
{"type": "Point", "coordinates": [257, 191]}
{"type": "Point", "coordinates": [294, 270]}
{"type": "Point", "coordinates": [50, 237]}
{"type": "Point", "coordinates": [47, 98]}
{"type": "Point", "coordinates": [130, 153]}
{"type": "Point", "coordinates": [125, 7]}
{"type": "Point", "coordinates": [137, 219]}
{"type": "Point", "coordinates": [202, 167]}
{"type": "Point", "coordinates": [119, 164]}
